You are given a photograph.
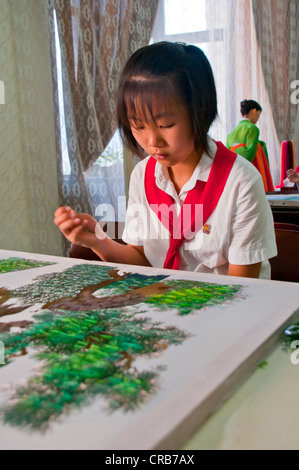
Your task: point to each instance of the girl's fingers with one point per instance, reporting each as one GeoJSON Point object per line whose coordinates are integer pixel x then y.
{"type": "Point", "coordinates": [74, 226]}
{"type": "Point", "coordinates": [76, 234]}
{"type": "Point", "coordinates": [89, 224]}
{"type": "Point", "coordinates": [68, 224]}
{"type": "Point", "coordinates": [62, 210]}
{"type": "Point", "coordinates": [63, 216]}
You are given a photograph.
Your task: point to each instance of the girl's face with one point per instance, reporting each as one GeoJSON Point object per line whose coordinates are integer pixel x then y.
{"type": "Point", "coordinates": [165, 133]}
{"type": "Point", "coordinates": [254, 115]}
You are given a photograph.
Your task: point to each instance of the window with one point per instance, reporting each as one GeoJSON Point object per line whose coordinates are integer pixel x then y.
{"type": "Point", "coordinates": [197, 22]}
{"type": "Point", "coordinates": [105, 179]}
{"type": "Point", "coordinates": [208, 24]}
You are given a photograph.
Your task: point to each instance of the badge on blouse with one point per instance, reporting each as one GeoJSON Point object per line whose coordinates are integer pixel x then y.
{"type": "Point", "coordinates": [206, 229]}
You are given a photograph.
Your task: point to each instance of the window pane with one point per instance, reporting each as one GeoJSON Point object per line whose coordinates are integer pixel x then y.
{"type": "Point", "coordinates": [106, 182]}
{"type": "Point", "coordinates": [184, 16]}
{"type": "Point", "coordinates": [63, 142]}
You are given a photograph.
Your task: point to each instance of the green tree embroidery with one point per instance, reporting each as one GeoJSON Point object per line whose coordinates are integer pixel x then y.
{"type": "Point", "coordinates": [18, 264]}
{"type": "Point", "coordinates": [85, 354]}
{"type": "Point", "coordinates": [87, 338]}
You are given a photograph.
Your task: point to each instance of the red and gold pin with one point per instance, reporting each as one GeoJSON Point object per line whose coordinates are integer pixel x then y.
{"type": "Point", "coordinates": [206, 229]}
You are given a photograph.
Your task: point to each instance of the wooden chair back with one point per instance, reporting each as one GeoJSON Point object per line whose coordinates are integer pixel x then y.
{"type": "Point", "coordinates": [285, 266]}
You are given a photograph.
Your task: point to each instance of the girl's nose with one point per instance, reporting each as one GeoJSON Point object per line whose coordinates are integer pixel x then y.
{"type": "Point", "coordinates": [155, 139]}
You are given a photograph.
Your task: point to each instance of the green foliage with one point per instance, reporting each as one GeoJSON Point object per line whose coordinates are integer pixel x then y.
{"type": "Point", "coordinates": [111, 155]}
{"type": "Point", "coordinates": [84, 354]}
{"type": "Point", "coordinates": [18, 264]}
{"type": "Point", "coordinates": [131, 281]}
{"type": "Point", "coordinates": [187, 296]}
{"type": "Point", "coordinates": [263, 365]}
{"type": "Point", "coordinates": [291, 334]}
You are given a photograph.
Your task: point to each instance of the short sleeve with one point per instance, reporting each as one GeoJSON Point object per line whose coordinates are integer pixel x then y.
{"type": "Point", "coordinates": [136, 214]}
{"type": "Point", "coordinates": [252, 226]}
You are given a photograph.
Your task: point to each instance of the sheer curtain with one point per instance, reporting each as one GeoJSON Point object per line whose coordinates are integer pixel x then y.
{"type": "Point", "coordinates": [232, 34]}
{"type": "Point", "coordinates": [277, 26]}
{"type": "Point", "coordinates": [242, 75]}
{"type": "Point", "coordinates": [91, 41]}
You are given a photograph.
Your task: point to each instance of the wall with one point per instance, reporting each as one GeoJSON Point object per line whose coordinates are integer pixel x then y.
{"type": "Point", "coordinates": [28, 189]}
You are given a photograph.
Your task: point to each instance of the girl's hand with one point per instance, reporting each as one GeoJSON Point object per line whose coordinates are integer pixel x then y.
{"type": "Point", "coordinates": [293, 176]}
{"type": "Point", "coordinates": [77, 228]}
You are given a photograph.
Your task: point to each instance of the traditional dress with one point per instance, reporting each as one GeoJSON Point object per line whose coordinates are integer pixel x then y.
{"type": "Point", "coordinates": [244, 140]}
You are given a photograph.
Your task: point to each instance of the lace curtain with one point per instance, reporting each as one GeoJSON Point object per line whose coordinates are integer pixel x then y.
{"type": "Point", "coordinates": [253, 48]}
{"type": "Point", "coordinates": [92, 39]}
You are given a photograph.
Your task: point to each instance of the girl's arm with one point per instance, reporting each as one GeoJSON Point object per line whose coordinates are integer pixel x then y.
{"type": "Point", "coordinates": [293, 176]}
{"type": "Point", "coordinates": [83, 230]}
{"type": "Point", "coordinates": [250, 270]}
{"type": "Point", "coordinates": [114, 252]}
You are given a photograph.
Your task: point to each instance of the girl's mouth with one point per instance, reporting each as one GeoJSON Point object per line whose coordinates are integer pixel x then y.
{"type": "Point", "coordinates": [160, 156]}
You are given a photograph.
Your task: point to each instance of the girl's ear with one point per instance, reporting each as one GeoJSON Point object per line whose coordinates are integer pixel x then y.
{"type": "Point", "coordinates": [252, 115]}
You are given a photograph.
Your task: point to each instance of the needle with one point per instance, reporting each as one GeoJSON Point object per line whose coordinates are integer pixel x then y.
{"type": "Point", "coordinates": [92, 234]}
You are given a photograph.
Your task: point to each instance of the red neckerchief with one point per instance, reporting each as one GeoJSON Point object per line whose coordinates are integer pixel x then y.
{"type": "Point", "coordinates": [201, 202]}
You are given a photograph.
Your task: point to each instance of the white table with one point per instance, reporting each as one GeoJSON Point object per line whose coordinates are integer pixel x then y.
{"type": "Point", "coordinates": [227, 343]}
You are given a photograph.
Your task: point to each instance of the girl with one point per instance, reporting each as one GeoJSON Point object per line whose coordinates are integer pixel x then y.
{"type": "Point", "coordinates": [193, 204]}
{"type": "Point", "coordinates": [244, 140]}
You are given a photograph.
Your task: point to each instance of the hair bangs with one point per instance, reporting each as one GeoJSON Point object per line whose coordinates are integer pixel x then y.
{"type": "Point", "coordinates": [141, 99]}
{"type": "Point", "coordinates": [145, 98]}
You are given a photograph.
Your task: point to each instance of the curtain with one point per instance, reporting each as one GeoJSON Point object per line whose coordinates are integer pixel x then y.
{"type": "Point", "coordinates": [277, 26]}
{"type": "Point", "coordinates": [230, 33]}
{"type": "Point", "coordinates": [95, 38]}
{"type": "Point", "coordinates": [28, 190]}
{"type": "Point", "coordinates": [242, 74]}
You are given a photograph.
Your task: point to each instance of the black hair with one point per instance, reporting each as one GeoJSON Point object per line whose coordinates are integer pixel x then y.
{"type": "Point", "coordinates": [168, 70]}
{"type": "Point", "coordinates": [248, 105]}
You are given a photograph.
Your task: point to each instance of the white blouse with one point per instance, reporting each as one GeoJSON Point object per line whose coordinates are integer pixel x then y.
{"type": "Point", "coordinates": [240, 230]}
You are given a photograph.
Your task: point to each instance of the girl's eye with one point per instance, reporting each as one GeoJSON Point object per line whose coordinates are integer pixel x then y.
{"type": "Point", "coordinates": [136, 128]}
{"type": "Point", "coordinates": [167, 127]}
